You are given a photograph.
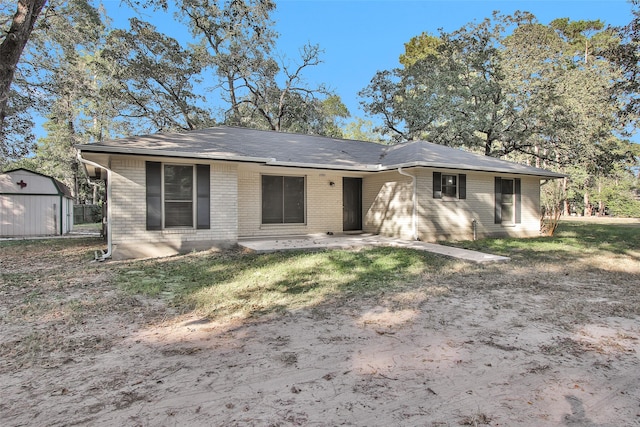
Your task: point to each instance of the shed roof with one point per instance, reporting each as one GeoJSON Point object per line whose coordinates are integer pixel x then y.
{"type": "Point", "coordinates": [61, 188]}
{"type": "Point", "coordinates": [298, 150]}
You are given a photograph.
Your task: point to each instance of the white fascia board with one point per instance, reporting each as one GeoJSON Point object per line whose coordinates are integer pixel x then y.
{"type": "Point", "coordinates": [355, 168]}
{"type": "Point", "coordinates": [161, 153]}
{"type": "Point", "coordinates": [539, 172]}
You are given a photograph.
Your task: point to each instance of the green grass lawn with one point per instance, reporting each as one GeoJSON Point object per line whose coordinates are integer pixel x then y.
{"type": "Point", "coordinates": [234, 284]}
{"type": "Point", "coordinates": [245, 285]}
{"type": "Point", "coordinates": [572, 239]}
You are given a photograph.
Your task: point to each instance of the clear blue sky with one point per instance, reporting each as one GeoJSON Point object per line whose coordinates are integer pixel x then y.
{"type": "Point", "coordinates": [360, 37]}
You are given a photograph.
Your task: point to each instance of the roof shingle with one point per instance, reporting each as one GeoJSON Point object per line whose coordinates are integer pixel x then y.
{"type": "Point", "coordinates": [286, 149]}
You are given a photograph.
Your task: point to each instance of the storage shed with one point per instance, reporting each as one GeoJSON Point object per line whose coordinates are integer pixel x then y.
{"type": "Point", "coordinates": [33, 204]}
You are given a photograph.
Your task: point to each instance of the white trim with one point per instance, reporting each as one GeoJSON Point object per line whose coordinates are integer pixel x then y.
{"type": "Point", "coordinates": [194, 198]}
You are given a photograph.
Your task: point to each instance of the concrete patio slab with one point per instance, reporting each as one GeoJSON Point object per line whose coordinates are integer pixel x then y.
{"type": "Point", "coordinates": [321, 242]}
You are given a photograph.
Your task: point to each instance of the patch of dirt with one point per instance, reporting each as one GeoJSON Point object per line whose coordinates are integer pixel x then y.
{"type": "Point", "coordinates": [499, 345]}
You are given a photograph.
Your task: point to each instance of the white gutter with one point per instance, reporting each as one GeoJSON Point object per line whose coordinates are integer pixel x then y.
{"type": "Point", "coordinates": [357, 168]}
{"type": "Point", "coordinates": [154, 152]}
{"type": "Point", "coordinates": [414, 215]}
{"type": "Point", "coordinates": [107, 254]}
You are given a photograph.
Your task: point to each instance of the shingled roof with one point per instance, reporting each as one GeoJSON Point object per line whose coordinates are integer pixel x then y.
{"type": "Point", "coordinates": [297, 150]}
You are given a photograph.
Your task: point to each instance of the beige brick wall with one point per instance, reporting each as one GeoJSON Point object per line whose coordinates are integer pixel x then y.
{"type": "Point", "coordinates": [323, 202]}
{"type": "Point", "coordinates": [128, 209]}
{"type": "Point", "coordinates": [236, 206]}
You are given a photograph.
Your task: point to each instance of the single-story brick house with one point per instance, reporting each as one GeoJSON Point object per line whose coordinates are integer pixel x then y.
{"type": "Point", "coordinates": [33, 204]}
{"type": "Point", "coordinates": [170, 193]}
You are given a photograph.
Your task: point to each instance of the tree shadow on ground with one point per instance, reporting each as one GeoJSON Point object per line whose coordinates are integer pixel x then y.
{"type": "Point", "coordinates": [247, 285]}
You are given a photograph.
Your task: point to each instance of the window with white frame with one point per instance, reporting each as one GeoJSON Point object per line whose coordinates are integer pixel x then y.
{"type": "Point", "coordinates": [449, 186]}
{"type": "Point", "coordinates": [508, 201]}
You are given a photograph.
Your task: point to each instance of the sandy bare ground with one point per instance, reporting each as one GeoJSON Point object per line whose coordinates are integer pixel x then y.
{"type": "Point", "coordinates": [500, 345]}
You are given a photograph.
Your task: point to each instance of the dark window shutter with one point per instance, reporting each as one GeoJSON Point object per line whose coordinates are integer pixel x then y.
{"type": "Point", "coordinates": [462, 186]}
{"type": "Point", "coordinates": [203, 202]}
{"type": "Point", "coordinates": [154, 195]}
{"type": "Point", "coordinates": [437, 185]}
{"type": "Point", "coordinates": [517, 191]}
{"type": "Point", "coordinates": [498, 200]}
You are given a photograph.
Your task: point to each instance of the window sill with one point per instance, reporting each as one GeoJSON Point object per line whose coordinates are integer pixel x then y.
{"type": "Point", "coordinates": [179, 230]}
{"type": "Point", "coordinates": [286, 224]}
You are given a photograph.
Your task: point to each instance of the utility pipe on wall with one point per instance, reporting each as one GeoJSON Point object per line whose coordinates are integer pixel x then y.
{"type": "Point", "coordinates": [107, 254]}
{"type": "Point", "coordinates": [414, 214]}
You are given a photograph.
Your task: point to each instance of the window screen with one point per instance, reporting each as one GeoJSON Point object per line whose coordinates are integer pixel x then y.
{"type": "Point", "coordinates": [178, 196]}
{"type": "Point", "coordinates": [449, 185]}
{"type": "Point", "coordinates": [283, 199]}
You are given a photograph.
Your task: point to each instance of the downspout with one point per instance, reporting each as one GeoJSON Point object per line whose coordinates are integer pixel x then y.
{"type": "Point", "coordinates": [107, 254]}
{"type": "Point", "coordinates": [414, 214]}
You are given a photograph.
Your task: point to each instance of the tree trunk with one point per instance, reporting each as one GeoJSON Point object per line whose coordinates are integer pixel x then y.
{"type": "Point", "coordinates": [565, 202]}
{"type": "Point", "coordinates": [587, 205]}
{"type": "Point", "coordinates": [600, 201]}
{"type": "Point", "coordinates": [12, 46]}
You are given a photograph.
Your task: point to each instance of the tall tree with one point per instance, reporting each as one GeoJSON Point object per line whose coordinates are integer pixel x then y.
{"type": "Point", "coordinates": [290, 105]}
{"type": "Point", "coordinates": [626, 55]}
{"type": "Point", "coordinates": [61, 67]}
{"type": "Point", "coordinates": [13, 39]}
{"type": "Point", "coordinates": [586, 37]}
{"type": "Point", "coordinates": [239, 41]}
{"type": "Point", "coordinates": [513, 87]}
{"type": "Point", "coordinates": [452, 91]}
{"type": "Point", "coordinates": [235, 45]}
{"type": "Point", "coordinates": [153, 79]}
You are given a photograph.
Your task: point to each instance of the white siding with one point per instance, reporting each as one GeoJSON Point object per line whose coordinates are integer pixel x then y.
{"type": "Point", "coordinates": [36, 184]}
{"type": "Point", "coordinates": [387, 204]}
{"type": "Point", "coordinates": [29, 215]}
{"type": "Point", "coordinates": [30, 205]}
{"type": "Point", "coordinates": [441, 219]}
{"type": "Point", "coordinates": [388, 207]}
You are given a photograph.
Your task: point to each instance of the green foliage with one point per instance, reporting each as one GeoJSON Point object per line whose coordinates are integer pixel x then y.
{"type": "Point", "coordinates": [16, 135]}
{"type": "Point", "coordinates": [17, 20]}
{"type": "Point", "coordinates": [362, 130]}
{"type": "Point", "coordinates": [419, 48]}
{"type": "Point", "coordinates": [154, 78]}
{"type": "Point", "coordinates": [512, 87]}
{"type": "Point", "coordinates": [452, 91]}
{"type": "Point", "coordinates": [92, 82]}
{"type": "Point", "coordinates": [626, 56]}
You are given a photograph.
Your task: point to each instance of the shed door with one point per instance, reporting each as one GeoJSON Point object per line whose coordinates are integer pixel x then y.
{"type": "Point", "coordinates": [351, 204]}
